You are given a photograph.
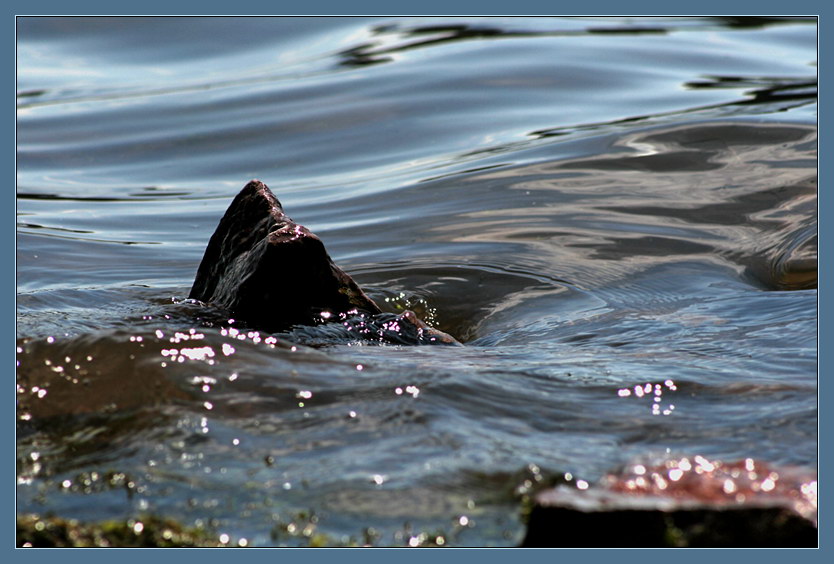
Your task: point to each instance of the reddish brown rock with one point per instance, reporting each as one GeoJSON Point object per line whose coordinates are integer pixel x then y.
{"type": "Point", "coordinates": [681, 503]}
{"type": "Point", "coordinates": [271, 273]}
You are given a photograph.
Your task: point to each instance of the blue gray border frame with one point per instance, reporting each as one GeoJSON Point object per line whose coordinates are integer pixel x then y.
{"type": "Point", "coordinates": [429, 7]}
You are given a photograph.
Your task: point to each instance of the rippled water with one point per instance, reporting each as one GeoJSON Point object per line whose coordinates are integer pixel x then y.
{"type": "Point", "coordinates": [616, 216]}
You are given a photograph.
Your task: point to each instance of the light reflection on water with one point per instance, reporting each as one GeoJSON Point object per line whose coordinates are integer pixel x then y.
{"type": "Point", "coordinates": [727, 483]}
{"type": "Point", "coordinates": [620, 225]}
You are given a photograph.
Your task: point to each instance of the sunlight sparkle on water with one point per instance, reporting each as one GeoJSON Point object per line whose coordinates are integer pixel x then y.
{"type": "Point", "coordinates": [413, 391]}
{"type": "Point", "coordinates": [655, 391]}
{"type": "Point", "coordinates": [206, 353]}
{"type": "Point", "coordinates": [714, 481]}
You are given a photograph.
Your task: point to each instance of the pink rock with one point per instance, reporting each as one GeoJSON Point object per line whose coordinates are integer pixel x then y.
{"type": "Point", "coordinates": [688, 501]}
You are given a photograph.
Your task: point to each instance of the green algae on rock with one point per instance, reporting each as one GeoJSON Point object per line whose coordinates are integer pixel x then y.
{"type": "Point", "coordinates": [146, 532]}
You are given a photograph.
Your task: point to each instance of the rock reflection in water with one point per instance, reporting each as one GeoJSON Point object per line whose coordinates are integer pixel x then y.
{"type": "Point", "coordinates": [732, 194]}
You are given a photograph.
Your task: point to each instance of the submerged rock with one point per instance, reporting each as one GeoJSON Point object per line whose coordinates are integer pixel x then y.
{"type": "Point", "coordinates": [35, 531]}
{"type": "Point", "coordinates": [681, 503]}
{"type": "Point", "coordinates": [384, 328]}
{"type": "Point", "coordinates": [274, 274]}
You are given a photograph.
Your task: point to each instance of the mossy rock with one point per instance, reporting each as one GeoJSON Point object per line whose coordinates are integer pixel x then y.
{"type": "Point", "coordinates": [145, 532]}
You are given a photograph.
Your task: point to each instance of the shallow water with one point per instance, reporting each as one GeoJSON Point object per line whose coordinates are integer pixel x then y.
{"type": "Point", "coordinates": [616, 216]}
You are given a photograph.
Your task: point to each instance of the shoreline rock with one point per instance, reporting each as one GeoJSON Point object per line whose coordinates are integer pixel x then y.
{"type": "Point", "coordinates": [681, 503]}
{"type": "Point", "coordinates": [36, 531]}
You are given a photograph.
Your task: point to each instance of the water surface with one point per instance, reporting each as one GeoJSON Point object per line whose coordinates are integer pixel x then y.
{"type": "Point", "coordinates": [616, 216]}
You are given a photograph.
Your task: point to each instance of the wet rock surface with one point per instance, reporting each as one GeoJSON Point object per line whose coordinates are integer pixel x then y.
{"type": "Point", "coordinates": [270, 271]}
{"type": "Point", "coordinates": [273, 274]}
{"type": "Point", "coordinates": [35, 531]}
{"type": "Point", "coordinates": [681, 503]}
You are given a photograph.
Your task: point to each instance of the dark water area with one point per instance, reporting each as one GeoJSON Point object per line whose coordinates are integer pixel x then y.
{"type": "Point", "coordinates": [616, 217]}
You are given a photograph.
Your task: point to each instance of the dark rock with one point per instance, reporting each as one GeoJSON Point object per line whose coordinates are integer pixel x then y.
{"type": "Point", "coordinates": [272, 273]}
{"type": "Point", "coordinates": [681, 504]}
